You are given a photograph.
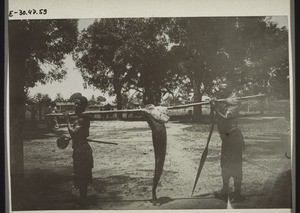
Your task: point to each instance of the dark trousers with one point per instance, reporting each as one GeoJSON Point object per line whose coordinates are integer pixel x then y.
{"type": "Point", "coordinates": [231, 158]}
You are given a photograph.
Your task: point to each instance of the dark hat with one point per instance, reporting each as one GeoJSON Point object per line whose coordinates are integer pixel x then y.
{"type": "Point", "coordinates": [62, 142]}
{"type": "Point", "coordinates": [83, 100]}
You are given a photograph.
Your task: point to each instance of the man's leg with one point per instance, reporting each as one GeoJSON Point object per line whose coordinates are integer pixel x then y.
{"type": "Point", "coordinates": [238, 182]}
{"type": "Point", "coordinates": [238, 177]}
{"type": "Point", "coordinates": [225, 179]}
{"type": "Point", "coordinates": [83, 194]}
{"type": "Point", "coordinates": [225, 171]}
{"type": "Point", "coordinates": [223, 193]}
{"type": "Point", "coordinates": [238, 173]}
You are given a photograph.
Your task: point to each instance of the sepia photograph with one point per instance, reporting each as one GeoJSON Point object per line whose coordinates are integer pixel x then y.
{"type": "Point", "coordinates": [149, 113]}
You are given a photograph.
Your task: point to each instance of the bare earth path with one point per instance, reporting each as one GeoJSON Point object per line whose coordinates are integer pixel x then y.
{"type": "Point", "coordinates": [122, 175]}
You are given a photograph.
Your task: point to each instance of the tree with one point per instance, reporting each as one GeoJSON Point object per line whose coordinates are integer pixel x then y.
{"type": "Point", "coordinates": [159, 56]}
{"type": "Point", "coordinates": [100, 99]}
{"type": "Point", "coordinates": [119, 55]}
{"type": "Point", "coordinates": [92, 100]}
{"type": "Point", "coordinates": [41, 100]}
{"type": "Point", "coordinates": [95, 54]}
{"type": "Point", "coordinates": [151, 60]}
{"type": "Point", "coordinates": [245, 50]}
{"type": "Point", "coordinates": [37, 49]}
{"type": "Point", "coordinates": [59, 98]}
{"type": "Point", "coordinates": [268, 66]}
{"type": "Point", "coordinates": [198, 47]}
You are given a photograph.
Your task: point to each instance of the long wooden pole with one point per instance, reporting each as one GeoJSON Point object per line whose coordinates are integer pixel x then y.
{"type": "Point", "coordinates": [169, 108]}
{"type": "Point", "coordinates": [91, 140]}
{"type": "Point", "coordinates": [96, 141]}
{"type": "Point", "coordinates": [219, 100]}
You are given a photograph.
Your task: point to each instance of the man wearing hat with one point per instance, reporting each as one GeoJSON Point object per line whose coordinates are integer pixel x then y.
{"type": "Point", "coordinates": [82, 152]}
{"type": "Point", "coordinates": [226, 114]}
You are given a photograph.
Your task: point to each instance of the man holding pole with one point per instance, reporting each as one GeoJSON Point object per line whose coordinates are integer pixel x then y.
{"type": "Point", "coordinates": [82, 152]}
{"type": "Point", "coordinates": [226, 117]}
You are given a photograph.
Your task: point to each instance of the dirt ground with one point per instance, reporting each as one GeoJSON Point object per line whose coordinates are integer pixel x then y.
{"type": "Point", "coordinates": [123, 174]}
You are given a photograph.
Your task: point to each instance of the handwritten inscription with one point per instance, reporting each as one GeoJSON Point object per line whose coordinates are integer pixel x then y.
{"type": "Point", "coordinates": [27, 12]}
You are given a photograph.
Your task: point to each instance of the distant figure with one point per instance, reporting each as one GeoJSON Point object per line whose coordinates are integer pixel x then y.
{"type": "Point", "coordinates": [156, 117]}
{"type": "Point", "coordinates": [107, 107]}
{"type": "Point", "coordinates": [33, 118]}
{"type": "Point", "coordinates": [27, 114]}
{"type": "Point", "coordinates": [52, 122]}
{"type": "Point", "coordinates": [227, 113]}
{"type": "Point", "coordinates": [82, 152]}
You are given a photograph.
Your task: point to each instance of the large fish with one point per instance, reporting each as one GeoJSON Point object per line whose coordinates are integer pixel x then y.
{"type": "Point", "coordinates": [156, 118]}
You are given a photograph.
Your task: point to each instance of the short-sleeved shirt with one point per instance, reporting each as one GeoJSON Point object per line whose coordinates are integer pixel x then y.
{"type": "Point", "coordinates": [79, 137]}
{"type": "Point", "coordinates": [229, 108]}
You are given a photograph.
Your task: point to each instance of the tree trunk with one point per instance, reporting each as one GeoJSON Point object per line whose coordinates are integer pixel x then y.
{"type": "Point", "coordinates": [18, 52]}
{"type": "Point", "coordinates": [147, 98]}
{"type": "Point", "coordinates": [197, 98]}
{"type": "Point", "coordinates": [40, 111]}
{"type": "Point", "coordinates": [16, 124]}
{"type": "Point", "coordinates": [118, 92]}
{"type": "Point", "coordinates": [17, 113]}
{"type": "Point", "coordinates": [157, 98]}
{"type": "Point", "coordinates": [152, 95]}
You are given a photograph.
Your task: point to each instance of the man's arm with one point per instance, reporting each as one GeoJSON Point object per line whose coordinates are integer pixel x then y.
{"type": "Point", "coordinates": [220, 114]}
{"type": "Point", "coordinates": [231, 111]}
{"type": "Point", "coordinates": [215, 108]}
{"type": "Point", "coordinates": [73, 131]}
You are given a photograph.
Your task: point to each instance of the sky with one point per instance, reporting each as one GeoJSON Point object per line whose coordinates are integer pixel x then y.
{"type": "Point", "coordinates": [73, 81]}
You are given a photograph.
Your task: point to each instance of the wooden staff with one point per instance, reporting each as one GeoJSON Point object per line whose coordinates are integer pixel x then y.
{"type": "Point", "coordinates": [92, 140]}
{"type": "Point", "coordinates": [203, 157]}
{"type": "Point", "coordinates": [69, 138]}
{"type": "Point", "coordinates": [97, 112]}
{"type": "Point", "coordinates": [219, 100]}
{"type": "Point", "coordinates": [169, 108]}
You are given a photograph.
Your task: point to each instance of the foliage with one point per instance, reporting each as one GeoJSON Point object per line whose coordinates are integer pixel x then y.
{"type": "Point", "coordinates": [265, 56]}
{"type": "Point", "coordinates": [249, 51]}
{"type": "Point", "coordinates": [42, 99]}
{"type": "Point", "coordinates": [101, 99]}
{"type": "Point", "coordinates": [43, 45]}
{"type": "Point", "coordinates": [59, 98]}
{"type": "Point", "coordinates": [119, 55]}
{"type": "Point", "coordinates": [92, 101]}
{"type": "Point", "coordinates": [182, 56]}
{"type": "Point", "coordinates": [34, 45]}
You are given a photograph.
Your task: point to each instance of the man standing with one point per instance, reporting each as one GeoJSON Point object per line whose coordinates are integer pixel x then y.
{"type": "Point", "coordinates": [82, 152]}
{"type": "Point", "coordinates": [227, 113]}
{"type": "Point", "coordinates": [52, 122]}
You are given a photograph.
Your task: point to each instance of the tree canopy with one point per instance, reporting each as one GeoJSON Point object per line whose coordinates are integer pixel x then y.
{"type": "Point", "coordinates": [249, 51]}
{"type": "Point", "coordinates": [36, 52]}
{"type": "Point", "coordinates": [43, 45]}
{"type": "Point", "coordinates": [158, 56]}
{"type": "Point", "coordinates": [119, 55]}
